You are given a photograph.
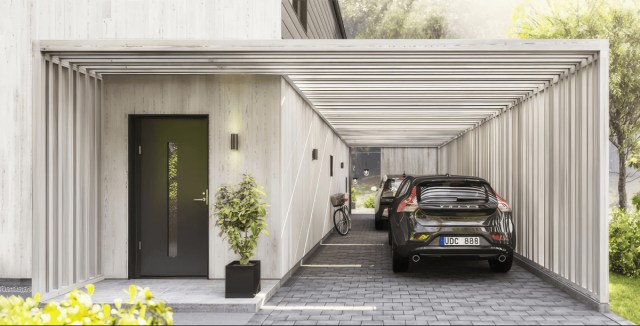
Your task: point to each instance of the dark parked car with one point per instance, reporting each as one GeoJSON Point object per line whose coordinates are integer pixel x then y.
{"type": "Point", "coordinates": [384, 197]}
{"type": "Point", "coordinates": [450, 216]}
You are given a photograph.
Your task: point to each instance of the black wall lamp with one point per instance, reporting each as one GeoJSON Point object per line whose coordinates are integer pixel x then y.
{"type": "Point", "coordinates": [342, 165]}
{"type": "Point", "coordinates": [314, 154]}
{"type": "Point", "coordinates": [234, 142]}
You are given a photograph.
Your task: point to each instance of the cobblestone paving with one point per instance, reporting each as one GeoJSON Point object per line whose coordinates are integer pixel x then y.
{"type": "Point", "coordinates": [432, 292]}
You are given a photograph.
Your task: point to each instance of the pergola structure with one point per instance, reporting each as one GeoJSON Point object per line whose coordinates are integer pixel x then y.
{"type": "Point", "coordinates": [372, 92]}
{"type": "Point", "coordinates": [529, 116]}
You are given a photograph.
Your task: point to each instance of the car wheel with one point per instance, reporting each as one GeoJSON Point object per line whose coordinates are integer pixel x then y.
{"type": "Point", "coordinates": [378, 221]}
{"type": "Point", "coordinates": [501, 267]}
{"type": "Point", "coordinates": [400, 264]}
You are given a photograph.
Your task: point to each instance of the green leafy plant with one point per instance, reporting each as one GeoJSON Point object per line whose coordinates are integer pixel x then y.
{"type": "Point", "coordinates": [79, 309]}
{"type": "Point", "coordinates": [619, 22]}
{"type": "Point", "coordinates": [241, 214]}
{"type": "Point", "coordinates": [635, 200]}
{"type": "Point", "coordinates": [369, 202]}
{"type": "Point", "coordinates": [353, 194]}
{"type": "Point", "coordinates": [624, 242]}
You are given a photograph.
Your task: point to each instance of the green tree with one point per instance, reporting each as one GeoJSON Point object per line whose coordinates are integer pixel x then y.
{"type": "Point", "coordinates": [618, 21]}
{"type": "Point", "coordinates": [394, 19]}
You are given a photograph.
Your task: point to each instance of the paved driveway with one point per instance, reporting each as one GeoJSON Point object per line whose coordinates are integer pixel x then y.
{"type": "Point", "coordinates": [360, 289]}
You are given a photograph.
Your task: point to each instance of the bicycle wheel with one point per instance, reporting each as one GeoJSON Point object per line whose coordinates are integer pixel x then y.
{"type": "Point", "coordinates": [346, 211]}
{"type": "Point", "coordinates": [341, 222]}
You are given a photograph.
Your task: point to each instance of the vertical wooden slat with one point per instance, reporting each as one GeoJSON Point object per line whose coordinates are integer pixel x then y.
{"type": "Point", "coordinates": [552, 169]}
{"type": "Point", "coordinates": [51, 180]}
{"type": "Point", "coordinates": [39, 118]}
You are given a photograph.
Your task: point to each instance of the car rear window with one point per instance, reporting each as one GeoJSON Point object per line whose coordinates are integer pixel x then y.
{"type": "Point", "coordinates": [453, 192]}
{"type": "Point", "coordinates": [404, 188]}
{"type": "Point", "coordinates": [392, 184]}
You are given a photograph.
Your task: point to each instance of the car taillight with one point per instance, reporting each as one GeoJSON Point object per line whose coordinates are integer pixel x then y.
{"type": "Point", "coordinates": [502, 204]}
{"type": "Point", "coordinates": [498, 237]}
{"type": "Point", "coordinates": [410, 204]}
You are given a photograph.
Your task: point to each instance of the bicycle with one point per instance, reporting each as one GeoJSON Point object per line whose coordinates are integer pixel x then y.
{"type": "Point", "coordinates": [341, 218]}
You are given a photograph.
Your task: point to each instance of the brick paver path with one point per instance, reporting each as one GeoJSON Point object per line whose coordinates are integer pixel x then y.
{"type": "Point", "coordinates": [432, 292]}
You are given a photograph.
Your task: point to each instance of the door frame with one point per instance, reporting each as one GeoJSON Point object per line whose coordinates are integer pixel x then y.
{"type": "Point", "coordinates": [135, 186]}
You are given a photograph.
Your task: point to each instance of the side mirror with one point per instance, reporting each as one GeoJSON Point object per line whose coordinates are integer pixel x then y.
{"type": "Point", "coordinates": [374, 188]}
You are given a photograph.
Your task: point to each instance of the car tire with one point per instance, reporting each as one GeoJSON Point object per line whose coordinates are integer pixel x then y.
{"type": "Point", "coordinates": [501, 267]}
{"type": "Point", "coordinates": [378, 221]}
{"type": "Point", "coordinates": [400, 264]}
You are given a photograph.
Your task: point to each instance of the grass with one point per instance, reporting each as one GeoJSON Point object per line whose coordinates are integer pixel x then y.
{"type": "Point", "coordinates": [624, 296]}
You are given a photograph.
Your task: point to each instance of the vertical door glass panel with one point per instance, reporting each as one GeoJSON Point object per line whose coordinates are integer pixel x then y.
{"type": "Point", "coordinates": [173, 199]}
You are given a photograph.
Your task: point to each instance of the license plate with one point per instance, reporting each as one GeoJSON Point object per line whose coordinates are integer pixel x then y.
{"type": "Point", "coordinates": [459, 241]}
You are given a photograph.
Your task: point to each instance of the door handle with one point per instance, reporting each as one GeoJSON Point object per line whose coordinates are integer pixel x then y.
{"type": "Point", "coordinates": [205, 197]}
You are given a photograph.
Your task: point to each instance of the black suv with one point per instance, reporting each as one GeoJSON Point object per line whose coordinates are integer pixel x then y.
{"type": "Point", "coordinates": [450, 216]}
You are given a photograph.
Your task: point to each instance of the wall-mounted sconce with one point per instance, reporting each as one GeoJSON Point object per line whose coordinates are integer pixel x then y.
{"type": "Point", "coordinates": [366, 172]}
{"type": "Point", "coordinates": [342, 165]}
{"type": "Point", "coordinates": [331, 165]}
{"type": "Point", "coordinates": [355, 181]}
{"type": "Point", "coordinates": [314, 154]}
{"type": "Point", "coordinates": [234, 142]}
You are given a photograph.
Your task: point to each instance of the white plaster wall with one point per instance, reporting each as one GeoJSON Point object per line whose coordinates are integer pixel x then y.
{"type": "Point", "coordinates": [244, 104]}
{"type": "Point", "coordinates": [306, 184]}
{"type": "Point", "coordinates": [23, 21]}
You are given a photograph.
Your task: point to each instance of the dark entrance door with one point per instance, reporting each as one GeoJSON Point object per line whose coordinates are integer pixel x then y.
{"type": "Point", "coordinates": [170, 162]}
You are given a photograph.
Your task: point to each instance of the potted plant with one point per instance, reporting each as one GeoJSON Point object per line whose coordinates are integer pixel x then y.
{"type": "Point", "coordinates": [241, 212]}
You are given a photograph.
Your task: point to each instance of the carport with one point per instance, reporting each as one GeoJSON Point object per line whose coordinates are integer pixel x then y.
{"type": "Point", "coordinates": [529, 116]}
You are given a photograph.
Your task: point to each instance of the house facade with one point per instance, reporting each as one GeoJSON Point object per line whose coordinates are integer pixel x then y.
{"type": "Point", "coordinates": [119, 112]}
{"type": "Point", "coordinates": [276, 126]}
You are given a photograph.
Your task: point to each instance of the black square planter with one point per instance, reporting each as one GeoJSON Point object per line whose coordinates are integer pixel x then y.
{"type": "Point", "coordinates": [242, 281]}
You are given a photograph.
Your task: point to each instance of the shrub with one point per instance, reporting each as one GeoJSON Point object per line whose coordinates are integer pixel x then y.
{"type": "Point", "coordinates": [241, 212]}
{"type": "Point", "coordinates": [79, 309]}
{"type": "Point", "coordinates": [369, 202]}
{"type": "Point", "coordinates": [353, 193]}
{"type": "Point", "coordinates": [624, 242]}
{"type": "Point", "coordinates": [635, 200]}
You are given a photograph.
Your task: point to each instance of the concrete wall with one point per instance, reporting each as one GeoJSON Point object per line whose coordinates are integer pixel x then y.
{"type": "Point", "coordinates": [22, 22]}
{"type": "Point", "coordinates": [278, 131]}
{"type": "Point", "coordinates": [248, 105]}
{"type": "Point", "coordinates": [306, 183]}
{"type": "Point", "coordinates": [548, 156]}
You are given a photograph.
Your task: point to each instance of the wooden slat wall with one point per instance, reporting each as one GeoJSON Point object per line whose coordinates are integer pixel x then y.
{"type": "Point", "coordinates": [245, 104]}
{"type": "Point", "coordinates": [306, 184]}
{"type": "Point", "coordinates": [68, 234]}
{"type": "Point", "coordinates": [322, 22]}
{"type": "Point", "coordinates": [548, 157]}
{"type": "Point", "coordinates": [409, 160]}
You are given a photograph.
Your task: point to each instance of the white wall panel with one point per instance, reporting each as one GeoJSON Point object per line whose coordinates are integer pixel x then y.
{"type": "Point", "coordinates": [306, 183]}
{"type": "Point", "coordinates": [409, 160]}
{"type": "Point", "coordinates": [547, 157]}
{"type": "Point", "coordinates": [248, 105]}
